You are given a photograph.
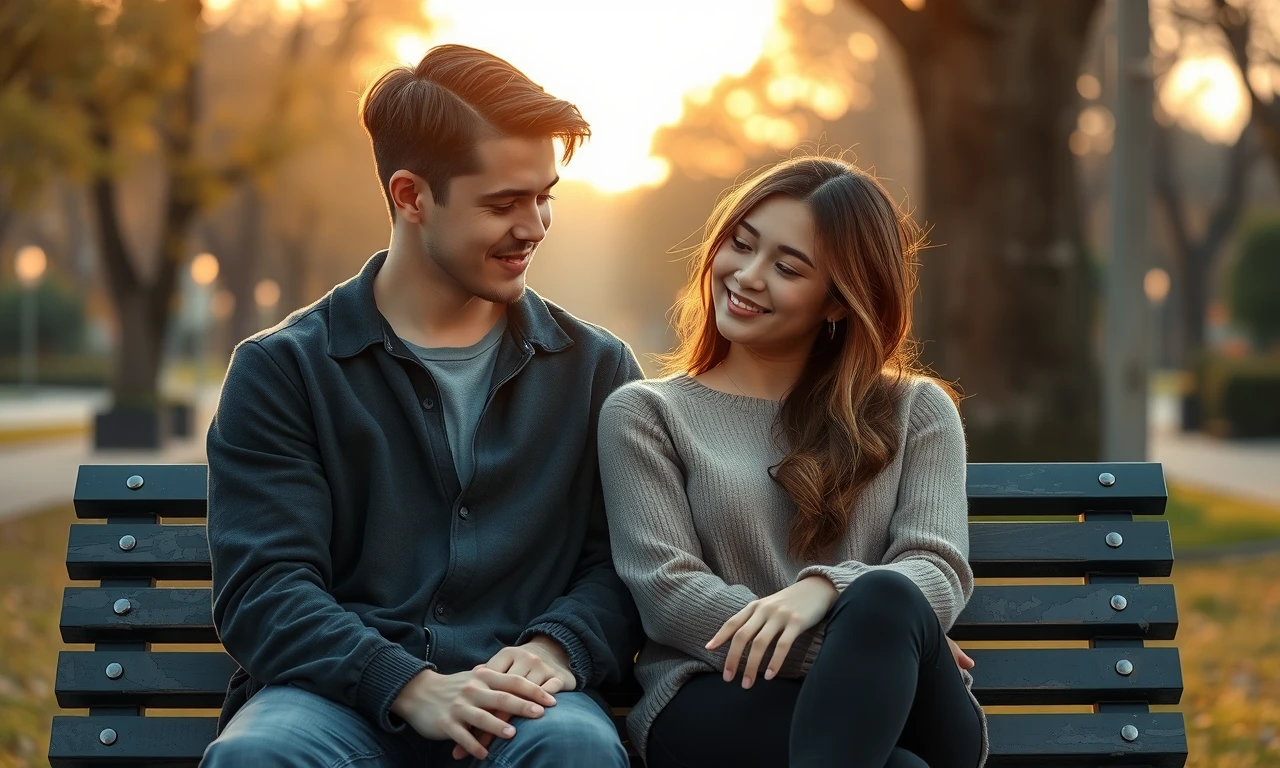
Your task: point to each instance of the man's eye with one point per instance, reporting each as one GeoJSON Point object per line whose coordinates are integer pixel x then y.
{"type": "Point", "coordinates": [545, 198]}
{"type": "Point", "coordinates": [508, 208]}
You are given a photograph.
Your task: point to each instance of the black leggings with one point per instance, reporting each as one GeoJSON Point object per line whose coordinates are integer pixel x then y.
{"type": "Point", "coordinates": [884, 692]}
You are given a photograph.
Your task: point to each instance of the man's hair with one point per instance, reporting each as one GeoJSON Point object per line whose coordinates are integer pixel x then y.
{"type": "Point", "coordinates": [429, 119]}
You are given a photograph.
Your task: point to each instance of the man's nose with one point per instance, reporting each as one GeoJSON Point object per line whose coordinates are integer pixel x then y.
{"type": "Point", "coordinates": [530, 228]}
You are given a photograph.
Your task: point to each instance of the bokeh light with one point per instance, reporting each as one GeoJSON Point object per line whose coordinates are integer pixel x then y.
{"type": "Point", "coordinates": [30, 264]}
{"type": "Point", "coordinates": [204, 269]}
{"type": "Point", "coordinates": [266, 293]}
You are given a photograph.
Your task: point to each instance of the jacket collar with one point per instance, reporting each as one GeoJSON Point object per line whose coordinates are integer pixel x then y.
{"type": "Point", "coordinates": [355, 322]}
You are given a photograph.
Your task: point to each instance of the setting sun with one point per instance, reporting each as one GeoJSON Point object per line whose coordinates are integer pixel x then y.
{"type": "Point", "coordinates": [1206, 94]}
{"type": "Point", "coordinates": [628, 68]}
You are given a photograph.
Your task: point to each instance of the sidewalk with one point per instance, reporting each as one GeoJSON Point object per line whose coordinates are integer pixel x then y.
{"type": "Point", "coordinates": [1244, 469]}
{"type": "Point", "coordinates": [43, 474]}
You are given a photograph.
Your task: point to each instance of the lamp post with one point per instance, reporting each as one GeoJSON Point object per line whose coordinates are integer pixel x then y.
{"type": "Point", "coordinates": [266, 294]}
{"type": "Point", "coordinates": [204, 270]}
{"type": "Point", "coordinates": [1155, 284]}
{"type": "Point", "coordinates": [29, 266]}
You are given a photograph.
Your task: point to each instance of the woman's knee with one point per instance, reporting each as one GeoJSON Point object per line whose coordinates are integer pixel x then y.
{"type": "Point", "coordinates": [884, 598]}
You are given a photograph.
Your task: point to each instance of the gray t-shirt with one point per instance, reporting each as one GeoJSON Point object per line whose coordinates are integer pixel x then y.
{"type": "Point", "coordinates": [463, 375]}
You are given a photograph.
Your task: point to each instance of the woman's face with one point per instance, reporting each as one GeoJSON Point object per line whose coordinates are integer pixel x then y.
{"type": "Point", "coordinates": [769, 288]}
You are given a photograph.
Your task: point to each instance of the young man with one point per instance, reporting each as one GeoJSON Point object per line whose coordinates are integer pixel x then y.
{"type": "Point", "coordinates": [410, 552]}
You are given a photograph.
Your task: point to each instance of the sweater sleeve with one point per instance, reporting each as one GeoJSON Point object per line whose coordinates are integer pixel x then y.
{"type": "Point", "coordinates": [656, 549]}
{"type": "Point", "coordinates": [928, 539]}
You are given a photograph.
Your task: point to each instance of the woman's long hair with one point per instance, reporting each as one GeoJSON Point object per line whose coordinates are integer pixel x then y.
{"type": "Point", "coordinates": [839, 418]}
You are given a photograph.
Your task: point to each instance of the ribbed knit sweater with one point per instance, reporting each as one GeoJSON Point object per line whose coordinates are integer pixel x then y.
{"type": "Point", "coordinates": [699, 527]}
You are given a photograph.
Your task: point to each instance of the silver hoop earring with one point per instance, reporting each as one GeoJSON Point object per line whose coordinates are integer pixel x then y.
{"type": "Point", "coordinates": [831, 329]}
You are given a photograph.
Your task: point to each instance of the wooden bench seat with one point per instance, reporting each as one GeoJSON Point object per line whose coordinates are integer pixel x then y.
{"type": "Point", "coordinates": [1077, 580]}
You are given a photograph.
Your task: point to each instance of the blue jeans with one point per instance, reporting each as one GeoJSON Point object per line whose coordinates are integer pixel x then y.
{"type": "Point", "coordinates": [286, 726]}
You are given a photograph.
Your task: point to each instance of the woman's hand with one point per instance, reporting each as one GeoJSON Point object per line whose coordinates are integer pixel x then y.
{"type": "Point", "coordinates": [963, 660]}
{"type": "Point", "coordinates": [782, 615]}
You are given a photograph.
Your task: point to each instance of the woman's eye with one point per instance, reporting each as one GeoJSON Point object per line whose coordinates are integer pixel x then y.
{"type": "Point", "coordinates": [739, 245]}
{"type": "Point", "coordinates": [788, 271]}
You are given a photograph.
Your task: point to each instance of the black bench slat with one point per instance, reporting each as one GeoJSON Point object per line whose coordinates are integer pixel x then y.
{"type": "Point", "coordinates": [1042, 676]}
{"type": "Point", "coordinates": [172, 679]}
{"type": "Point", "coordinates": [1073, 741]}
{"type": "Point", "coordinates": [179, 490]}
{"type": "Point", "coordinates": [1052, 741]}
{"type": "Point", "coordinates": [1007, 550]}
{"type": "Point", "coordinates": [145, 742]}
{"type": "Point", "coordinates": [1027, 490]}
{"type": "Point", "coordinates": [996, 550]}
{"type": "Point", "coordinates": [156, 615]}
{"type": "Point", "coordinates": [168, 490]}
{"type": "Point", "coordinates": [179, 552]}
{"type": "Point", "coordinates": [1008, 677]}
{"type": "Point", "coordinates": [1068, 612]}
{"type": "Point", "coordinates": [1035, 612]}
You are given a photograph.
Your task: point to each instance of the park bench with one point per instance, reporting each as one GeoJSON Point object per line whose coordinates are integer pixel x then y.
{"type": "Point", "coordinates": [1076, 593]}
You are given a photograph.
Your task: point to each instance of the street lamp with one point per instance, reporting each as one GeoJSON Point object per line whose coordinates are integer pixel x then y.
{"type": "Point", "coordinates": [266, 294]}
{"type": "Point", "coordinates": [204, 270]}
{"type": "Point", "coordinates": [29, 265]}
{"type": "Point", "coordinates": [1155, 284]}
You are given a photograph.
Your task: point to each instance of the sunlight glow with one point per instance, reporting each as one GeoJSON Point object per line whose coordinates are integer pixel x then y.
{"type": "Point", "coordinates": [1207, 95]}
{"type": "Point", "coordinates": [628, 68]}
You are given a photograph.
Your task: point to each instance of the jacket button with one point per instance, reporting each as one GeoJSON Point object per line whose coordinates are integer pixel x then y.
{"type": "Point", "coordinates": [428, 403]}
{"type": "Point", "coordinates": [439, 610]}
{"type": "Point", "coordinates": [464, 513]}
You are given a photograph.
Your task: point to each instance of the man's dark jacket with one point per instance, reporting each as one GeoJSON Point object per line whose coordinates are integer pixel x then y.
{"type": "Point", "coordinates": [347, 558]}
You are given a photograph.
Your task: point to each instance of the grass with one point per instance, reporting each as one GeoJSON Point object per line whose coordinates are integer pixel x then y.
{"type": "Point", "coordinates": [1201, 518]}
{"type": "Point", "coordinates": [1229, 638]}
{"type": "Point", "coordinates": [33, 572]}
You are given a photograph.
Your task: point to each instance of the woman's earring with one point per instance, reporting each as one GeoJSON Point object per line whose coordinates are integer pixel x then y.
{"type": "Point", "coordinates": [831, 329]}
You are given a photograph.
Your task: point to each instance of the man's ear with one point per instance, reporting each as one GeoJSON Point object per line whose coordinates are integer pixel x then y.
{"type": "Point", "coordinates": [411, 196]}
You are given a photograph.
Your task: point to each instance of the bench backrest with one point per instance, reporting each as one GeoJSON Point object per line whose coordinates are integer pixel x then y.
{"type": "Point", "coordinates": [1040, 584]}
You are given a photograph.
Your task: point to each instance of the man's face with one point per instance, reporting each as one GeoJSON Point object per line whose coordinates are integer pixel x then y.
{"type": "Point", "coordinates": [485, 236]}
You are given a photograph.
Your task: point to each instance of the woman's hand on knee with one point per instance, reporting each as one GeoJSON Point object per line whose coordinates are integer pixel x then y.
{"type": "Point", "coordinates": [783, 616]}
{"type": "Point", "coordinates": [963, 660]}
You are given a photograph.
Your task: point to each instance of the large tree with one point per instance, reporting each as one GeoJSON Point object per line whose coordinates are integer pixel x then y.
{"type": "Point", "coordinates": [1005, 305]}
{"type": "Point", "coordinates": [128, 85]}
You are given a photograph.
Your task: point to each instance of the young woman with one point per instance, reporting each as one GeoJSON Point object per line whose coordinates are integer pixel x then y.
{"type": "Point", "coordinates": [788, 509]}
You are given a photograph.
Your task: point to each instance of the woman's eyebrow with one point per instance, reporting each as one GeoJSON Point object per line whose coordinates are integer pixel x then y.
{"type": "Point", "coordinates": [784, 248]}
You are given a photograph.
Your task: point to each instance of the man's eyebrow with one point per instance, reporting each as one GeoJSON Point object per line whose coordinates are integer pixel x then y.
{"type": "Point", "coordinates": [784, 248]}
{"type": "Point", "coordinates": [513, 192]}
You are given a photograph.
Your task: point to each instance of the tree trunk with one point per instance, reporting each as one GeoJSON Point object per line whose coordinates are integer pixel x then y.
{"type": "Point", "coordinates": [1005, 306]}
{"type": "Point", "coordinates": [144, 306]}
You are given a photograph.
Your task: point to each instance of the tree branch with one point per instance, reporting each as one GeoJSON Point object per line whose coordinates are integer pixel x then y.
{"type": "Point", "coordinates": [1168, 194]}
{"type": "Point", "coordinates": [1227, 212]}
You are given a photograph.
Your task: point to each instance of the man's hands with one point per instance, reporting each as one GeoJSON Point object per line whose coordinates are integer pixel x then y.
{"type": "Point", "coordinates": [447, 706]}
{"type": "Point", "coordinates": [782, 615]}
{"type": "Point", "coordinates": [541, 661]}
